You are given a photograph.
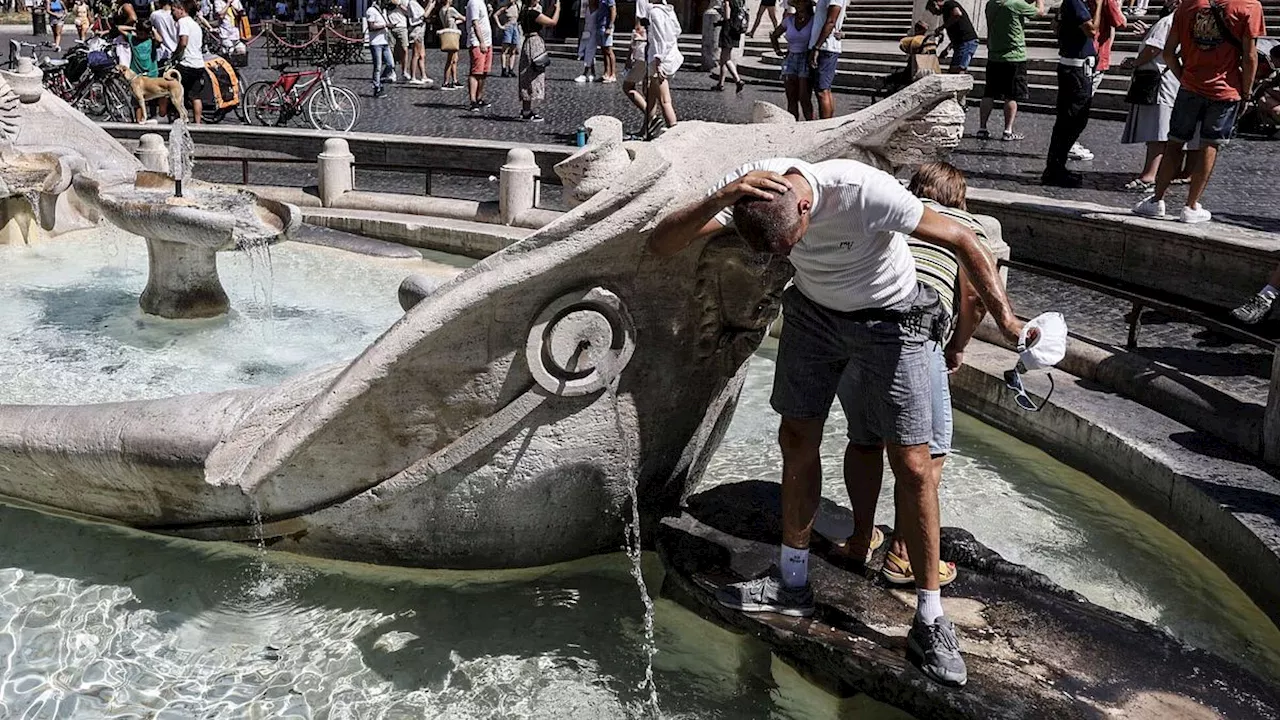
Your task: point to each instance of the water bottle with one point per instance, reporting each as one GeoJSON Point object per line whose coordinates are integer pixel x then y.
{"type": "Point", "coordinates": [580, 137]}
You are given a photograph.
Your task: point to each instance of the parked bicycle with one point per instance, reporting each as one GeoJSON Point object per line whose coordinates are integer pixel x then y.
{"type": "Point", "coordinates": [309, 93]}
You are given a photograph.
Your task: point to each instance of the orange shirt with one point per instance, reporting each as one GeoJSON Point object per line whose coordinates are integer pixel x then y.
{"type": "Point", "coordinates": [1211, 62]}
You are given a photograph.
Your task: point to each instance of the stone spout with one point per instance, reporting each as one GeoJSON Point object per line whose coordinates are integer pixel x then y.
{"type": "Point", "coordinates": [505, 418]}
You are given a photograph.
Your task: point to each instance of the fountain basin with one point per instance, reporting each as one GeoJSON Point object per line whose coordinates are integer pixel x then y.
{"type": "Point", "coordinates": [184, 234]}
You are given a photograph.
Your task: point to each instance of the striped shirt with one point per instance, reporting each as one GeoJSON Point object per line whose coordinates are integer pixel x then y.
{"type": "Point", "coordinates": [938, 267]}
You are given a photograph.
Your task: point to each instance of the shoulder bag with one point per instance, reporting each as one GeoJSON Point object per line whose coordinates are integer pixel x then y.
{"type": "Point", "coordinates": [536, 49]}
{"type": "Point", "coordinates": [1144, 87]}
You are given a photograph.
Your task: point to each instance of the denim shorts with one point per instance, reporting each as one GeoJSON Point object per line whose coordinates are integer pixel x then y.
{"type": "Point", "coordinates": [511, 35]}
{"type": "Point", "coordinates": [825, 74]}
{"type": "Point", "coordinates": [1216, 119]}
{"type": "Point", "coordinates": [796, 63]}
{"type": "Point", "coordinates": [963, 54]}
{"type": "Point", "coordinates": [882, 367]}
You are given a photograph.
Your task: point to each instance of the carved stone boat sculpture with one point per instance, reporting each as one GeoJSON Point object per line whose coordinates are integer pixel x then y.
{"type": "Point", "coordinates": [506, 419]}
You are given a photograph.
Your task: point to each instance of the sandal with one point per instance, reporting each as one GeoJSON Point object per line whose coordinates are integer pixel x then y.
{"type": "Point", "coordinates": [1180, 181]}
{"type": "Point", "coordinates": [834, 552]}
{"type": "Point", "coordinates": [1011, 136]}
{"type": "Point", "coordinates": [982, 134]}
{"type": "Point", "coordinates": [897, 571]}
{"type": "Point", "coordinates": [1139, 185]}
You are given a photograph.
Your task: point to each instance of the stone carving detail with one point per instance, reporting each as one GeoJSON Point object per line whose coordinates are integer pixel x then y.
{"type": "Point", "coordinates": [506, 418]}
{"type": "Point", "coordinates": [8, 113]}
{"type": "Point", "coordinates": [580, 343]}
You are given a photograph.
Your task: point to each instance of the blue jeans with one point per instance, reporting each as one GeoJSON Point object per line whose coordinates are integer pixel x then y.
{"type": "Point", "coordinates": [381, 63]}
{"type": "Point", "coordinates": [962, 55]}
{"type": "Point", "coordinates": [1215, 119]}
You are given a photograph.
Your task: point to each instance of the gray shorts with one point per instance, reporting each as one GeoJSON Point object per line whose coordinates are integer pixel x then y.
{"type": "Point", "coordinates": [940, 388]}
{"type": "Point", "coordinates": [882, 366]}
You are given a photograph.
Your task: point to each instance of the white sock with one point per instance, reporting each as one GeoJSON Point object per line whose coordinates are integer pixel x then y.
{"type": "Point", "coordinates": [1269, 292]}
{"type": "Point", "coordinates": [928, 605]}
{"type": "Point", "coordinates": [795, 566]}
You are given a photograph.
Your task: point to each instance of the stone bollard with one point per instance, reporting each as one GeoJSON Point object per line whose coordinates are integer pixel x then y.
{"type": "Point", "coordinates": [518, 186]}
{"type": "Point", "coordinates": [153, 153]}
{"type": "Point", "coordinates": [710, 38]}
{"type": "Point", "coordinates": [334, 170]}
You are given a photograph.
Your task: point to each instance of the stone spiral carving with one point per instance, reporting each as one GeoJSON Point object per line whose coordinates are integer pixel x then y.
{"type": "Point", "coordinates": [8, 113]}
{"type": "Point", "coordinates": [580, 343]}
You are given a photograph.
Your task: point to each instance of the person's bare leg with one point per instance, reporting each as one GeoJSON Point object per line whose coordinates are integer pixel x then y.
{"type": "Point", "coordinates": [790, 84]}
{"type": "Point", "coordinates": [668, 106]}
{"type": "Point", "coordinates": [1168, 167]}
{"type": "Point", "coordinates": [733, 70]}
{"type": "Point", "coordinates": [480, 81]}
{"type": "Point", "coordinates": [863, 474]}
{"type": "Point", "coordinates": [806, 98]}
{"type": "Point", "coordinates": [1151, 165]}
{"type": "Point", "coordinates": [473, 87]}
{"type": "Point", "coordinates": [916, 495]}
{"type": "Point", "coordinates": [984, 112]}
{"type": "Point", "coordinates": [773, 16]}
{"type": "Point", "coordinates": [756, 25]}
{"type": "Point", "coordinates": [197, 111]}
{"type": "Point", "coordinates": [801, 443]}
{"type": "Point", "coordinates": [635, 96]}
{"type": "Point", "coordinates": [1201, 172]}
{"type": "Point", "coordinates": [1010, 112]}
{"type": "Point", "coordinates": [610, 64]}
{"type": "Point", "coordinates": [826, 105]}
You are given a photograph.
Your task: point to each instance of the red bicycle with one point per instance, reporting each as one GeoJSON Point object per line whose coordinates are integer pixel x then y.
{"type": "Point", "coordinates": [308, 93]}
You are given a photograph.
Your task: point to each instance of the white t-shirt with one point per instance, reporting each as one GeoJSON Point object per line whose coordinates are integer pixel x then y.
{"type": "Point", "coordinates": [167, 28]}
{"type": "Point", "coordinates": [855, 254]}
{"type": "Point", "coordinates": [373, 16]}
{"type": "Point", "coordinates": [832, 43]}
{"type": "Point", "coordinates": [193, 56]}
{"type": "Point", "coordinates": [478, 14]}
{"type": "Point", "coordinates": [1157, 36]}
{"type": "Point", "coordinates": [664, 39]}
{"type": "Point", "coordinates": [397, 17]}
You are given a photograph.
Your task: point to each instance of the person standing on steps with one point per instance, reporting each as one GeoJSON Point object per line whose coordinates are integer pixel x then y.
{"type": "Point", "coordinates": [450, 38]}
{"type": "Point", "coordinates": [664, 59]}
{"type": "Point", "coordinates": [959, 29]}
{"type": "Point", "coordinates": [855, 308]}
{"type": "Point", "coordinates": [189, 57]}
{"type": "Point", "coordinates": [606, 18]}
{"type": "Point", "coordinates": [824, 52]}
{"type": "Point", "coordinates": [733, 23]}
{"type": "Point", "coordinates": [1213, 52]}
{"type": "Point", "coordinates": [1006, 62]}
{"type": "Point", "coordinates": [480, 44]}
{"type": "Point", "coordinates": [532, 77]}
{"type": "Point", "coordinates": [398, 31]}
{"type": "Point", "coordinates": [795, 62]}
{"type": "Point", "coordinates": [1148, 122]}
{"type": "Point", "coordinates": [588, 40]}
{"type": "Point", "coordinates": [418, 14]}
{"type": "Point", "coordinates": [635, 84]}
{"type": "Point", "coordinates": [771, 6]}
{"type": "Point", "coordinates": [1077, 57]}
{"type": "Point", "coordinates": [1110, 19]}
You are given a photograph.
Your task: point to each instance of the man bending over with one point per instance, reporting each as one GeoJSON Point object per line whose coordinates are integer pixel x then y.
{"type": "Point", "coordinates": [855, 308]}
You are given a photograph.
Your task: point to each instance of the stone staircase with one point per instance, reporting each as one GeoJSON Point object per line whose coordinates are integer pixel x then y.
{"type": "Point", "coordinates": [873, 28]}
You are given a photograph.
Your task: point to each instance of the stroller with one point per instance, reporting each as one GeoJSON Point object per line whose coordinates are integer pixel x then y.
{"type": "Point", "coordinates": [1260, 116]}
{"type": "Point", "coordinates": [922, 59]}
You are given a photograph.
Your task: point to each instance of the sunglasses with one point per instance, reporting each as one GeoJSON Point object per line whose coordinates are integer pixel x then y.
{"type": "Point", "coordinates": [1013, 381]}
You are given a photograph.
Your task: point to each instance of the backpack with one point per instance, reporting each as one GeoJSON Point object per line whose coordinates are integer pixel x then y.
{"type": "Point", "coordinates": [738, 16]}
{"type": "Point", "coordinates": [101, 60]}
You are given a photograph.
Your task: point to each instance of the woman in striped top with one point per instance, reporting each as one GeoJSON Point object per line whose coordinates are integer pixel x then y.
{"type": "Point", "coordinates": [943, 189]}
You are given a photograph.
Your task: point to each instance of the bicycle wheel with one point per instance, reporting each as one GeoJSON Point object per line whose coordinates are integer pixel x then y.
{"type": "Point", "coordinates": [273, 108]}
{"type": "Point", "coordinates": [252, 98]}
{"type": "Point", "coordinates": [92, 99]}
{"type": "Point", "coordinates": [119, 101]}
{"type": "Point", "coordinates": [333, 108]}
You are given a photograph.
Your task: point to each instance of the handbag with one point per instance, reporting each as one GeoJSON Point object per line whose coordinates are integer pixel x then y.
{"type": "Point", "coordinates": [536, 49]}
{"type": "Point", "coordinates": [1144, 87]}
{"type": "Point", "coordinates": [449, 39]}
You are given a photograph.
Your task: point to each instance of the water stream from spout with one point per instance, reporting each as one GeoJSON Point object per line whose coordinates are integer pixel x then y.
{"type": "Point", "coordinates": [632, 546]}
{"type": "Point", "coordinates": [259, 254]}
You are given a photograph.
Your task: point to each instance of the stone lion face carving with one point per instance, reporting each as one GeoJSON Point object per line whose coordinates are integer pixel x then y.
{"type": "Point", "coordinates": [739, 292]}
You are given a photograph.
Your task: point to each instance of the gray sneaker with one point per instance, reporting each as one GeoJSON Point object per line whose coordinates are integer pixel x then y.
{"type": "Point", "coordinates": [1252, 312]}
{"type": "Point", "coordinates": [767, 594]}
{"type": "Point", "coordinates": [938, 650]}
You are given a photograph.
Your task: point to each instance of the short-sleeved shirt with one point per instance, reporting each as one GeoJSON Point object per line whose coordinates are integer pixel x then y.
{"type": "Point", "coordinates": [193, 55]}
{"type": "Point", "coordinates": [832, 43]}
{"type": "Point", "coordinates": [602, 14]}
{"type": "Point", "coordinates": [373, 16]}
{"type": "Point", "coordinates": [1006, 35]}
{"type": "Point", "coordinates": [167, 28]}
{"type": "Point", "coordinates": [478, 14]}
{"type": "Point", "coordinates": [1072, 41]}
{"type": "Point", "coordinates": [1156, 37]}
{"type": "Point", "coordinates": [1108, 20]}
{"type": "Point", "coordinates": [961, 31]}
{"type": "Point", "coordinates": [1211, 62]}
{"type": "Point", "coordinates": [397, 17]}
{"type": "Point", "coordinates": [854, 255]}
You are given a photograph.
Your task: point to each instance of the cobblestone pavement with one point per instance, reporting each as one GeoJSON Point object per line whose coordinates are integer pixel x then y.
{"type": "Point", "coordinates": [1243, 191]}
{"type": "Point", "coordinates": [1239, 369]}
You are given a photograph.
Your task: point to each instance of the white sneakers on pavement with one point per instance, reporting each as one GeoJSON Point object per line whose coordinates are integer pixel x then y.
{"type": "Point", "coordinates": [1152, 208]}
{"type": "Point", "coordinates": [1079, 152]}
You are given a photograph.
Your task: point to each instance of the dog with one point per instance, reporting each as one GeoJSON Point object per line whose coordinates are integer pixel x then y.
{"type": "Point", "coordinates": [145, 89]}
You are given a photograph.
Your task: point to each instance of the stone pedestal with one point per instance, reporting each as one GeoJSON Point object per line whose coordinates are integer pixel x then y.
{"type": "Point", "coordinates": [334, 170]}
{"type": "Point", "coordinates": [183, 282]}
{"type": "Point", "coordinates": [710, 38]}
{"type": "Point", "coordinates": [518, 185]}
{"type": "Point", "coordinates": [153, 153]}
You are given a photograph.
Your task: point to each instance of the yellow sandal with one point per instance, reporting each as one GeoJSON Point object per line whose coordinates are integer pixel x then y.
{"type": "Point", "coordinates": [897, 571]}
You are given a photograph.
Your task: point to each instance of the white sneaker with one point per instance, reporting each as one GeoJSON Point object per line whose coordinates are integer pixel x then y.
{"type": "Point", "coordinates": [428, 82]}
{"type": "Point", "coordinates": [1195, 215]}
{"type": "Point", "coordinates": [1079, 152]}
{"type": "Point", "coordinates": [1150, 207]}
{"type": "Point", "coordinates": [582, 79]}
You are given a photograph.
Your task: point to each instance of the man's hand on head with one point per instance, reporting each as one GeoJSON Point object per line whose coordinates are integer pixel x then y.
{"type": "Point", "coordinates": [762, 184]}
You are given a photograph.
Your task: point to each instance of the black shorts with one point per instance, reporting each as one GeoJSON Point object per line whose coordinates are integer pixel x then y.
{"type": "Point", "coordinates": [193, 80]}
{"type": "Point", "coordinates": [1006, 80]}
{"type": "Point", "coordinates": [768, 3]}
